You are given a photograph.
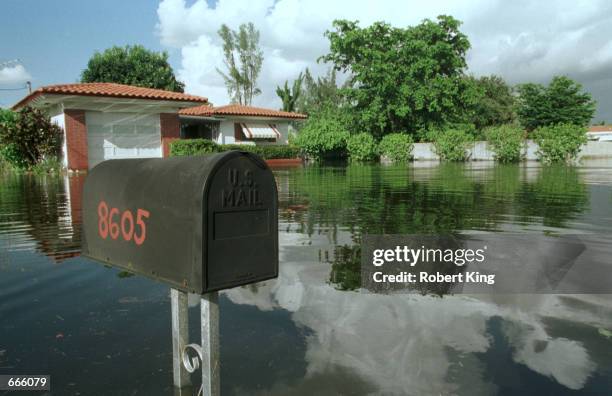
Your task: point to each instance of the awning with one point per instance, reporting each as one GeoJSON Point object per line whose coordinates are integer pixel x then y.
{"type": "Point", "coordinates": [260, 131]}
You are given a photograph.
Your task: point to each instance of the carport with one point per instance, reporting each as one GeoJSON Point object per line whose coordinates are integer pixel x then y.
{"type": "Point", "coordinates": [103, 121]}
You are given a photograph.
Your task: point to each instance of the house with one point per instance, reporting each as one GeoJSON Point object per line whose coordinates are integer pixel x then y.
{"type": "Point", "coordinates": [601, 133]}
{"type": "Point", "coordinates": [103, 121]}
{"type": "Point", "coordinates": [237, 124]}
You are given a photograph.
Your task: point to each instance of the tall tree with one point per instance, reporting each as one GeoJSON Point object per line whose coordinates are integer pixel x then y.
{"type": "Point", "coordinates": [132, 65]}
{"type": "Point", "coordinates": [243, 59]}
{"type": "Point", "coordinates": [496, 104]}
{"type": "Point", "coordinates": [403, 80]}
{"type": "Point", "coordinates": [290, 96]}
{"type": "Point", "coordinates": [562, 101]}
{"type": "Point", "coordinates": [319, 93]}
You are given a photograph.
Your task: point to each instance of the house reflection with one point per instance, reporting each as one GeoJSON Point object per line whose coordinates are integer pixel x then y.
{"type": "Point", "coordinates": [42, 212]}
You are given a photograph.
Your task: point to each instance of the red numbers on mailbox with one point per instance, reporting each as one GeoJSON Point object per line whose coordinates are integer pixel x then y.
{"type": "Point", "coordinates": [113, 223]}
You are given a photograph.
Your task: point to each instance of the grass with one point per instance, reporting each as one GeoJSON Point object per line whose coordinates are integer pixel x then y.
{"type": "Point", "coordinates": [47, 166]}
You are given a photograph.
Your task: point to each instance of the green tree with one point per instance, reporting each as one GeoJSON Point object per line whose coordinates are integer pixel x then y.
{"type": "Point", "coordinates": [496, 104]}
{"type": "Point", "coordinates": [562, 101]}
{"type": "Point", "coordinates": [243, 59]}
{"type": "Point", "coordinates": [28, 137]}
{"type": "Point", "coordinates": [403, 79]}
{"type": "Point", "coordinates": [291, 96]}
{"type": "Point", "coordinates": [320, 93]}
{"type": "Point", "coordinates": [132, 65]}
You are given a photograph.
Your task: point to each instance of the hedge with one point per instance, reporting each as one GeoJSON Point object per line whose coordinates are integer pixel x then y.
{"type": "Point", "coordinates": [184, 147]}
{"type": "Point", "coordinates": [265, 152]}
{"type": "Point", "coordinates": [204, 146]}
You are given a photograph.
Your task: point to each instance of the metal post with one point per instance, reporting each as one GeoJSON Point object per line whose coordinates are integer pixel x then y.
{"type": "Point", "coordinates": [209, 317]}
{"type": "Point", "coordinates": [180, 337]}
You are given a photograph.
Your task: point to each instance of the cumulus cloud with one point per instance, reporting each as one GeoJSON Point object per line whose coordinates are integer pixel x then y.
{"type": "Point", "coordinates": [400, 344]}
{"type": "Point", "coordinates": [521, 41]}
{"type": "Point", "coordinates": [14, 75]}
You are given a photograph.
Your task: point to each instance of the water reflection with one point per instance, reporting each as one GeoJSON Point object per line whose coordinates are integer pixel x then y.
{"type": "Point", "coordinates": [312, 331]}
{"type": "Point", "coordinates": [41, 212]}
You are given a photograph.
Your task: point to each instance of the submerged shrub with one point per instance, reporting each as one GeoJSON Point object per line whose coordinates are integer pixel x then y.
{"type": "Point", "coordinates": [12, 157]}
{"type": "Point", "coordinates": [183, 147]}
{"type": "Point", "coordinates": [204, 146]}
{"type": "Point", "coordinates": [27, 137]}
{"type": "Point", "coordinates": [48, 165]}
{"type": "Point", "coordinates": [362, 147]}
{"type": "Point", "coordinates": [452, 144]}
{"type": "Point", "coordinates": [324, 135]}
{"type": "Point", "coordinates": [265, 152]}
{"type": "Point", "coordinates": [506, 142]}
{"type": "Point", "coordinates": [397, 147]}
{"type": "Point", "coordinates": [560, 142]}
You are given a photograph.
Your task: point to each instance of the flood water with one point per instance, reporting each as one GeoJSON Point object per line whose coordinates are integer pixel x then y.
{"type": "Point", "coordinates": [312, 331]}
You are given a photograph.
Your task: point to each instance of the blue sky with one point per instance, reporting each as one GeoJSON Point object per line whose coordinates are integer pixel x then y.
{"type": "Point", "coordinates": [54, 40]}
{"type": "Point", "coordinates": [522, 41]}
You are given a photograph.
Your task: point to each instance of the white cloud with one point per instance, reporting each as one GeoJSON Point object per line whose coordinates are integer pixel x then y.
{"type": "Point", "coordinates": [522, 41]}
{"type": "Point", "coordinates": [402, 344]}
{"type": "Point", "coordinates": [14, 75]}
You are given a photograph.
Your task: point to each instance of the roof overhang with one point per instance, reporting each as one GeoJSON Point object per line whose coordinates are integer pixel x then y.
{"type": "Point", "coordinates": [223, 117]}
{"type": "Point", "coordinates": [199, 118]}
{"type": "Point", "coordinates": [57, 103]}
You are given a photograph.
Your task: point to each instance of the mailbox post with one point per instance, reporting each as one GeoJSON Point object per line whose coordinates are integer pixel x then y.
{"type": "Point", "coordinates": [199, 224]}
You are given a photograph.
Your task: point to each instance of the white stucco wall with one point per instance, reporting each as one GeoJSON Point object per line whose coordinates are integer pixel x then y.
{"type": "Point", "coordinates": [481, 152]}
{"type": "Point", "coordinates": [226, 133]}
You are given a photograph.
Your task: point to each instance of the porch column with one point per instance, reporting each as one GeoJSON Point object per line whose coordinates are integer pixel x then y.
{"type": "Point", "coordinates": [76, 140]}
{"type": "Point", "coordinates": [170, 126]}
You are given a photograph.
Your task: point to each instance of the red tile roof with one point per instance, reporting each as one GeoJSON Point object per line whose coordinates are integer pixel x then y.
{"type": "Point", "coordinates": [600, 128]}
{"type": "Point", "coordinates": [110, 90]}
{"type": "Point", "coordinates": [239, 110]}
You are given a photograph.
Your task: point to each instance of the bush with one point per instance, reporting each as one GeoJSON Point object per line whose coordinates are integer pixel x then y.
{"type": "Point", "coordinates": [362, 147]}
{"type": "Point", "coordinates": [184, 147]}
{"type": "Point", "coordinates": [28, 137]}
{"type": "Point", "coordinates": [12, 156]}
{"type": "Point", "coordinates": [265, 152]}
{"type": "Point", "coordinates": [48, 165]}
{"type": "Point", "coordinates": [397, 147]}
{"type": "Point", "coordinates": [451, 144]}
{"type": "Point", "coordinates": [5, 166]}
{"type": "Point", "coordinates": [506, 141]}
{"type": "Point", "coordinates": [324, 135]}
{"type": "Point", "coordinates": [560, 142]}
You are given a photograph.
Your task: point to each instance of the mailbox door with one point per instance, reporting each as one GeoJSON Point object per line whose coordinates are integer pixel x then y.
{"type": "Point", "coordinates": [242, 222]}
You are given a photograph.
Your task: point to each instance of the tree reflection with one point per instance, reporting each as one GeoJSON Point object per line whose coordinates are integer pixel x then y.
{"type": "Point", "coordinates": [445, 199]}
{"type": "Point", "coordinates": [557, 196]}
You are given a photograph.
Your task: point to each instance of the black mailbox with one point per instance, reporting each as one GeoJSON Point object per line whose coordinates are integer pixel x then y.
{"type": "Point", "coordinates": [198, 223]}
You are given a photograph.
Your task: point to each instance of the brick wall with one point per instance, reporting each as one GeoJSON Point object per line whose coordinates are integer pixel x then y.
{"type": "Point", "coordinates": [76, 139]}
{"type": "Point", "coordinates": [170, 126]}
